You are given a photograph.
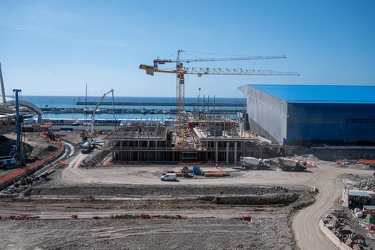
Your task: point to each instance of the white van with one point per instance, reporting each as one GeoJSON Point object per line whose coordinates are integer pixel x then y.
{"type": "Point", "coordinates": [169, 177]}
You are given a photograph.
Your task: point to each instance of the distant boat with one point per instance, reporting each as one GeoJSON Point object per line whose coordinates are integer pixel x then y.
{"type": "Point", "coordinates": [88, 110]}
{"type": "Point", "coordinates": [76, 122]}
{"type": "Point", "coordinates": [91, 110]}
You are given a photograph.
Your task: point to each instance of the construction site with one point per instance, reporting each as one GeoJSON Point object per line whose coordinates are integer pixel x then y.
{"type": "Point", "coordinates": [201, 182]}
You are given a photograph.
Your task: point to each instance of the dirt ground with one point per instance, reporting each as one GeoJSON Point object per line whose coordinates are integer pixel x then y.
{"type": "Point", "coordinates": [100, 208]}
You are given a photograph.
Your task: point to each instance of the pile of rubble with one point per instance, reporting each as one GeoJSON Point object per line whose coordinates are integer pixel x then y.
{"type": "Point", "coordinates": [339, 224]}
{"type": "Point", "coordinates": [362, 182]}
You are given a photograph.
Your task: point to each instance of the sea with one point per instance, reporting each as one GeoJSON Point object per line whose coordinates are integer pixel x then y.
{"type": "Point", "coordinates": [137, 103]}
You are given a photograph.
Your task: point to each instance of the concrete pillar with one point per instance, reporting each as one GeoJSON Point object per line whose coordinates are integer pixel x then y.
{"type": "Point", "coordinates": [235, 153]}
{"type": "Point", "coordinates": [216, 151]}
{"type": "Point", "coordinates": [227, 156]}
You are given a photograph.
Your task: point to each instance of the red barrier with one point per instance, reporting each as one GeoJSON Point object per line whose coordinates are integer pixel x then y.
{"type": "Point", "coordinates": [18, 217]}
{"type": "Point", "coordinates": [145, 216]}
{"type": "Point", "coordinates": [246, 217]}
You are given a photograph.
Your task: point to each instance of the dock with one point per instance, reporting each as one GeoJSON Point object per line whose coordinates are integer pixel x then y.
{"type": "Point", "coordinates": [193, 104]}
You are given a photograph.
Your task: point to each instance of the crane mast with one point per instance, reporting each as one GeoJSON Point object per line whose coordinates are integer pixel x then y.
{"type": "Point", "coordinates": [180, 92]}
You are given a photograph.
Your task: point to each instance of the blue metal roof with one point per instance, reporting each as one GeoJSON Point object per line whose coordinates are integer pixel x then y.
{"type": "Point", "coordinates": [359, 193]}
{"type": "Point", "coordinates": [320, 93]}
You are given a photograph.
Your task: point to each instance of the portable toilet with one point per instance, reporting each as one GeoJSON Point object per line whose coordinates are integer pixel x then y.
{"type": "Point", "coordinates": [370, 218]}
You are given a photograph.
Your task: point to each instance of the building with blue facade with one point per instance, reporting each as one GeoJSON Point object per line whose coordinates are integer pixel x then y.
{"type": "Point", "coordinates": [295, 114]}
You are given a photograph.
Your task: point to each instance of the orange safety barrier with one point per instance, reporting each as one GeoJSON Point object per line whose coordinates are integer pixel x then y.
{"type": "Point", "coordinates": [110, 163]}
{"type": "Point", "coordinates": [366, 161]}
{"type": "Point", "coordinates": [63, 163]}
{"type": "Point", "coordinates": [216, 174]}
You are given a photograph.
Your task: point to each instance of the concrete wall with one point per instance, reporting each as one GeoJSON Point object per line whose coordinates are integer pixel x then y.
{"type": "Point", "coordinates": [341, 245]}
{"type": "Point", "coordinates": [267, 114]}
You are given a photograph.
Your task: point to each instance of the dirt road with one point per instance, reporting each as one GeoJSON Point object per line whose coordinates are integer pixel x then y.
{"type": "Point", "coordinates": [305, 224]}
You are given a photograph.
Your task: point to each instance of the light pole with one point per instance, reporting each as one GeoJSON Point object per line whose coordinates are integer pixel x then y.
{"type": "Point", "coordinates": [199, 93]}
{"type": "Point", "coordinates": [18, 129]}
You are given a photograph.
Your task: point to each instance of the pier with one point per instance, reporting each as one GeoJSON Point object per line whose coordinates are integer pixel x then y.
{"type": "Point", "coordinates": [212, 110]}
{"type": "Point", "coordinates": [193, 104]}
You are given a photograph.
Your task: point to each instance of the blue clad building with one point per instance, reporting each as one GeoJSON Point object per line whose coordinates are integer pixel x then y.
{"type": "Point", "coordinates": [294, 114]}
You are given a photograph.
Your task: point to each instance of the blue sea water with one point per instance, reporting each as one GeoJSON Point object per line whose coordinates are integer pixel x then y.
{"type": "Point", "coordinates": [68, 102]}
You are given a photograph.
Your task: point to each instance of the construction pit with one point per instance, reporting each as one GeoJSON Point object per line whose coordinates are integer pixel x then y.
{"type": "Point", "coordinates": [129, 207]}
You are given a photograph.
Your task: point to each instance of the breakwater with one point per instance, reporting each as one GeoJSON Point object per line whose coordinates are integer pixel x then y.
{"type": "Point", "coordinates": [192, 104]}
{"type": "Point", "coordinates": [132, 111]}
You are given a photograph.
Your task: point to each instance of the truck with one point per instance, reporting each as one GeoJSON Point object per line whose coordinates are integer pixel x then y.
{"type": "Point", "coordinates": [87, 147]}
{"type": "Point", "coordinates": [289, 164]}
{"type": "Point", "coordinates": [255, 163]}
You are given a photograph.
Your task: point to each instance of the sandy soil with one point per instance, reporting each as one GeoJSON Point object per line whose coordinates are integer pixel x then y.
{"type": "Point", "coordinates": [118, 194]}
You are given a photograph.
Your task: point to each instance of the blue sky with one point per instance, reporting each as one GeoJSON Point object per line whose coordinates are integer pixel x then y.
{"type": "Point", "coordinates": [56, 47]}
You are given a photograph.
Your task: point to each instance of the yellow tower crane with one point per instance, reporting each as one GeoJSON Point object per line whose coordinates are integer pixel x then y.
{"type": "Point", "coordinates": [180, 71]}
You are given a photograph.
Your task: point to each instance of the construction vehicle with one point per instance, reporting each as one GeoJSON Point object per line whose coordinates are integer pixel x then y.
{"type": "Point", "coordinates": [86, 147]}
{"type": "Point", "coordinates": [255, 163]}
{"type": "Point", "coordinates": [95, 109]}
{"type": "Point", "coordinates": [27, 157]}
{"type": "Point", "coordinates": [289, 164]}
{"type": "Point", "coordinates": [6, 161]}
{"type": "Point", "coordinates": [25, 152]}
